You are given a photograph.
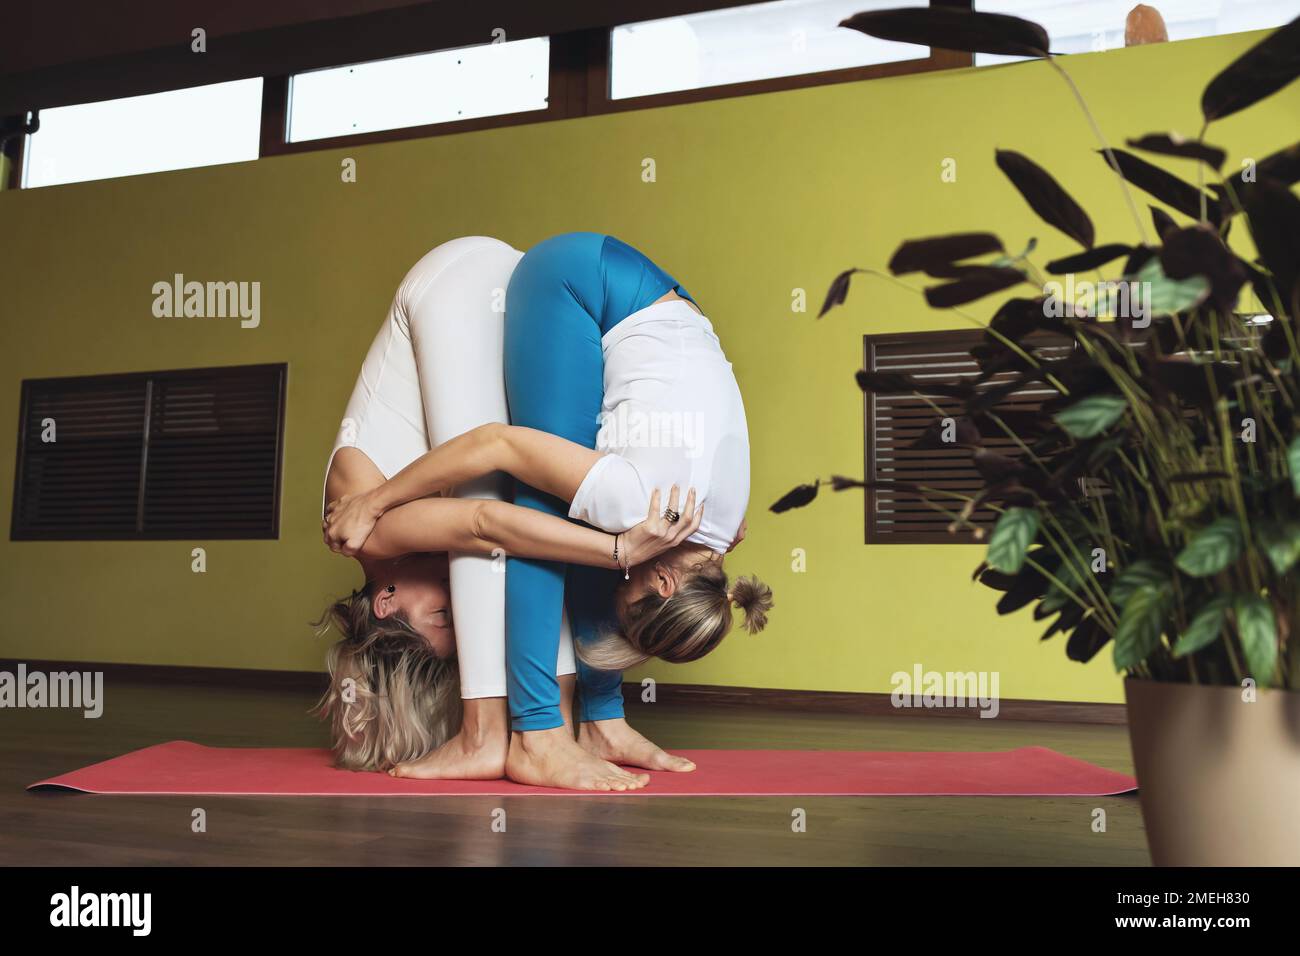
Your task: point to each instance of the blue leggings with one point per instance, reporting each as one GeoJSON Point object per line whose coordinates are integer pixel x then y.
{"type": "Point", "coordinates": [566, 292]}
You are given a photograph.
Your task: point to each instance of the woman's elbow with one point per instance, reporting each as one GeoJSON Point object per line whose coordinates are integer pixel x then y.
{"type": "Point", "coordinates": [485, 524]}
{"type": "Point", "coordinates": [491, 440]}
{"type": "Point", "coordinates": [374, 548]}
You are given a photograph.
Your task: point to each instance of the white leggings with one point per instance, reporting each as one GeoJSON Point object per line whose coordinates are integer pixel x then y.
{"type": "Point", "coordinates": [433, 372]}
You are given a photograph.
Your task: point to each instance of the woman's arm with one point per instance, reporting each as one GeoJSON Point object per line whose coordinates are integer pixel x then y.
{"type": "Point", "coordinates": [544, 461]}
{"type": "Point", "coordinates": [482, 526]}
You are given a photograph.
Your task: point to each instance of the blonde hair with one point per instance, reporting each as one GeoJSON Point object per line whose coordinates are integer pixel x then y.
{"type": "Point", "coordinates": [390, 698]}
{"type": "Point", "coordinates": [683, 627]}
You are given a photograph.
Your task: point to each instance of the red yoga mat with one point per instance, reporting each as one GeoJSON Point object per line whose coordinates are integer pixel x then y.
{"type": "Point", "coordinates": [182, 767]}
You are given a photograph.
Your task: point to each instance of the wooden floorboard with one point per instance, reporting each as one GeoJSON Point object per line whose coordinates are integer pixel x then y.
{"type": "Point", "coordinates": [54, 828]}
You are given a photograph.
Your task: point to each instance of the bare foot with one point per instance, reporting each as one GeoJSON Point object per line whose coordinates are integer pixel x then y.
{"type": "Point", "coordinates": [568, 683]}
{"type": "Point", "coordinates": [552, 758]}
{"type": "Point", "coordinates": [616, 741]}
{"type": "Point", "coordinates": [461, 758]}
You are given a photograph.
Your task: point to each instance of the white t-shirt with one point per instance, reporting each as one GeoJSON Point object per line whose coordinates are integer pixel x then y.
{"type": "Point", "coordinates": [672, 414]}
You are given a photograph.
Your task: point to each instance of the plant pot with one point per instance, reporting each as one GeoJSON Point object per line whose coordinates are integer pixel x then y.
{"type": "Point", "coordinates": [1218, 778]}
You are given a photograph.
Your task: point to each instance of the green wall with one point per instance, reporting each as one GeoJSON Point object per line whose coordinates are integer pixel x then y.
{"type": "Point", "coordinates": [755, 197]}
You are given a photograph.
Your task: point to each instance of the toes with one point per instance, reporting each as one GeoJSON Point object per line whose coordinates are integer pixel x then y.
{"type": "Point", "coordinates": [616, 771]}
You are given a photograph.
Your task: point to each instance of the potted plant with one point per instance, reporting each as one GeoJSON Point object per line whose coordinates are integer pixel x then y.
{"type": "Point", "coordinates": [1154, 502]}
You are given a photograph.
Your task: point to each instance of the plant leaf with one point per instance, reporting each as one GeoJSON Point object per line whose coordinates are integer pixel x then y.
{"type": "Point", "coordinates": [1089, 417]}
{"type": "Point", "coordinates": [1259, 72]}
{"type": "Point", "coordinates": [1011, 538]}
{"type": "Point", "coordinates": [1140, 257]}
{"type": "Point", "coordinates": [795, 498]}
{"type": "Point", "coordinates": [1058, 597]}
{"type": "Point", "coordinates": [1293, 463]}
{"type": "Point", "coordinates": [1206, 626]}
{"type": "Point", "coordinates": [1015, 319]}
{"type": "Point", "coordinates": [1138, 633]}
{"type": "Point", "coordinates": [917, 255]}
{"type": "Point", "coordinates": [1010, 260]}
{"type": "Point", "coordinates": [1274, 214]}
{"type": "Point", "coordinates": [1281, 542]}
{"type": "Point", "coordinates": [976, 283]}
{"type": "Point", "coordinates": [1166, 296]}
{"type": "Point", "coordinates": [1171, 144]}
{"type": "Point", "coordinates": [1053, 601]}
{"type": "Point", "coordinates": [1258, 631]}
{"type": "Point", "coordinates": [1025, 587]}
{"type": "Point", "coordinates": [1199, 251]}
{"type": "Point", "coordinates": [1089, 259]}
{"type": "Point", "coordinates": [1088, 638]}
{"type": "Point", "coordinates": [1282, 166]}
{"type": "Point", "coordinates": [1141, 573]}
{"type": "Point", "coordinates": [953, 29]}
{"type": "Point", "coordinates": [994, 467]}
{"type": "Point", "coordinates": [1166, 187]}
{"type": "Point", "coordinates": [1046, 197]}
{"type": "Point", "coordinates": [838, 292]}
{"type": "Point", "coordinates": [899, 383]}
{"type": "Point", "coordinates": [1065, 621]}
{"type": "Point", "coordinates": [1162, 221]}
{"type": "Point", "coordinates": [1211, 549]}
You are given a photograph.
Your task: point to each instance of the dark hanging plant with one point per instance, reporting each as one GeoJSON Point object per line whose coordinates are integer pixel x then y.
{"type": "Point", "coordinates": [1259, 72]}
{"type": "Point", "coordinates": [1166, 187]}
{"type": "Point", "coordinates": [1046, 197]}
{"type": "Point", "coordinates": [954, 29]}
{"type": "Point", "coordinates": [1152, 502]}
{"type": "Point", "coordinates": [1169, 144]}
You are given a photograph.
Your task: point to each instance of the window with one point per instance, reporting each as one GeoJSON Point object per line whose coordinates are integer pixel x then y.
{"type": "Point", "coordinates": [200, 126]}
{"type": "Point", "coordinates": [1080, 26]}
{"type": "Point", "coordinates": [179, 454]}
{"type": "Point", "coordinates": [894, 422]}
{"type": "Point", "coordinates": [488, 80]}
{"type": "Point", "coordinates": [759, 41]}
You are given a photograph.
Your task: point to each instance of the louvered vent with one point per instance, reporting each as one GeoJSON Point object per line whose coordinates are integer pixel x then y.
{"type": "Point", "coordinates": [177, 454]}
{"type": "Point", "coordinates": [894, 422]}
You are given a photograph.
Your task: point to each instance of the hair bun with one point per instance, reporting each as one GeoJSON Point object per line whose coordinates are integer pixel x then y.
{"type": "Point", "coordinates": [754, 598]}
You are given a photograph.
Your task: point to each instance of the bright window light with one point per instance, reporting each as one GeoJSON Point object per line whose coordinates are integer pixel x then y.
{"type": "Point", "coordinates": [1083, 26]}
{"type": "Point", "coordinates": [756, 42]}
{"type": "Point", "coordinates": [200, 126]}
{"type": "Point", "coordinates": [488, 80]}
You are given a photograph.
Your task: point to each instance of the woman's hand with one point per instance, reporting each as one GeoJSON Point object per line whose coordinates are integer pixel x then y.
{"type": "Point", "coordinates": [657, 534]}
{"type": "Point", "coordinates": [349, 521]}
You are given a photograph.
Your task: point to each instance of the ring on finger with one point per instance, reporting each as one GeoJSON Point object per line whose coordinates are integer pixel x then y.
{"type": "Point", "coordinates": [672, 517]}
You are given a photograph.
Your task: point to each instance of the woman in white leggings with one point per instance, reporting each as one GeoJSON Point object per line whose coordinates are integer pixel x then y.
{"type": "Point", "coordinates": [426, 629]}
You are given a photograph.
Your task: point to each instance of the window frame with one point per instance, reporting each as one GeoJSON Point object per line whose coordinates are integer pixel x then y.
{"type": "Point", "coordinates": [578, 80]}
{"type": "Point", "coordinates": [277, 90]}
{"type": "Point", "coordinates": [17, 533]}
{"type": "Point", "coordinates": [18, 149]}
{"type": "Point", "coordinates": [578, 85]}
{"type": "Point", "coordinates": [946, 339]}
{"type": "Point", "coordinates": [871, 531]}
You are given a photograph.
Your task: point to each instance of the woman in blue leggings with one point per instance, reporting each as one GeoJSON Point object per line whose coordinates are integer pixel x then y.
{"type": "Point", "coordinates": [604, 350]}
{"type": "Point", "coordinates": [566, 294]}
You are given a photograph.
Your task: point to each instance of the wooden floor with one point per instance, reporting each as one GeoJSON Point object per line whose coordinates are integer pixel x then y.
{"type": "Point", "coordinates": [53, 828]}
